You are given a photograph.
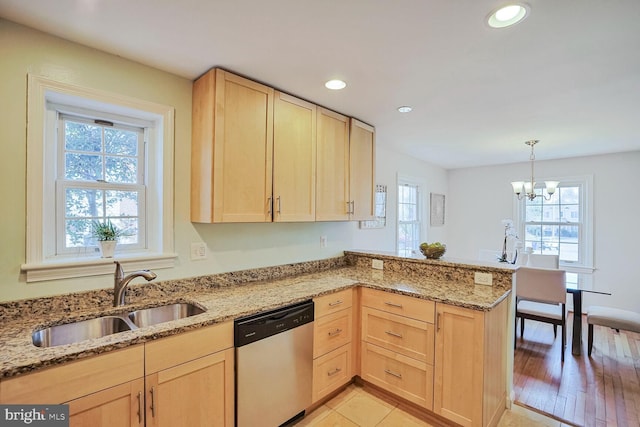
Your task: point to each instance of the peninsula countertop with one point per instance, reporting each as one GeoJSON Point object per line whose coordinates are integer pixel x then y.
{"type": "Point", "coordinates": [222, 302]}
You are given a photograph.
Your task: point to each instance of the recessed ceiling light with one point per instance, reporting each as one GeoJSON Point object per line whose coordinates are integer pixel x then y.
{"type": "Point", "coordinates": [405, 109]}
{"type": "Point", "coordinates": [508, 15]}
{"type": "Point", "coordinates": [335, 84]}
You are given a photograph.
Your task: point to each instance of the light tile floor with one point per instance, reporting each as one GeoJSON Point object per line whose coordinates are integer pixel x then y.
{"type": "Point", "coordinates": [355, 407]}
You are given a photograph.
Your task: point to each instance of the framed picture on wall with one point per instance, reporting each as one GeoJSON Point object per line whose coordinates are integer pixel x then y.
{"type": "Point", "coordinates": [437, 209]}
{"type": "Point", "coordinates": [380, 220]}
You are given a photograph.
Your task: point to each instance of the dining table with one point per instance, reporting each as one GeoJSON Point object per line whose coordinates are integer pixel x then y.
{"type": "Point", "coordinates": [577, 284]}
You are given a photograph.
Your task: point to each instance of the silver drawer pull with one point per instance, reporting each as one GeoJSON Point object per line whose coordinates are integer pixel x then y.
{"type": "Point", "coordinates": [393, 304]}
{"type": "Point", "coordinates": [395, 374]}
{"type": "Point", "coordinates": [337, 302]}
{"type": "Point", "coordinates": [152, 406]}
{"type": "Point", "coordinates": [332, 373]}
{"type": "Point", "coordinates": [395, 334]}
{"type": "Point", "coordinates": [140, 407]}
{"type": "Point", "coordinates": [336, 332]}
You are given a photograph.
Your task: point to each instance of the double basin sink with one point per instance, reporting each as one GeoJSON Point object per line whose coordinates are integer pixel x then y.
{"type": "Point", "coordinates": [99, 327]}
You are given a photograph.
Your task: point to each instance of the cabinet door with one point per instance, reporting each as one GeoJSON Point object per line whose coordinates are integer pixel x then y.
{"type": "Point", "coordinates": [232, 149]}
{"type": "Point", "coordinates": [459, 364]}
{"type": "Point", "coordinates": [119, 406]}
{"type": "Point", "coordinates": [196, 393]}
{"type": "Point", "coordinates": [362, 170]}
{"type": "Point", "coordinates": [332, 182]}
{"type": "Point", "coordinates": [294, 159]}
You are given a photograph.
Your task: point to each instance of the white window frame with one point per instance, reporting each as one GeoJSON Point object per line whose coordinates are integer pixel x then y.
{"type": "Point", "coordinates": [61, 184]}
{"type": "Point", "coordinates": [40, 263]}
{"type": "Point", "coordinates": [405, 180]}
{"type": "Point", "coordinates": [586, 248]}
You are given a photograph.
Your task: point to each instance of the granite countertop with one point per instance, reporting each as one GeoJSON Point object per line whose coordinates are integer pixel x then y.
{"type": "Point", "coordinates": [222, 301]}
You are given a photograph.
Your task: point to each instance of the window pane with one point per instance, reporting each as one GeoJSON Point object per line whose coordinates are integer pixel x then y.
{"type": "Point", "coordinates": [122, 203]}
{"type": "Point", "coordinates": [83, 167]}
{"type": "Point", "coordinates": [120, 141]}
{"type": "Point", "coordinates": [78, 233]}
{"type": "Point", "coordinates": [570, 213]}
{"type": "Point", "coordinates": [129, 228]}
{"type": "Point", "coordinates": [569, 252]}
{"type": "Point", "coordinates": [569, 195]}
{"type": "Point", "coordinates": [82, 137]}
{"type": "Point", "coordinates": [551, 213]}
{"type": "Point", "coordinates": [122, 169]}
{"type": "Point", "coordinates": [83, 203]}
{"type": "Point", "coordinates": [534, 213]}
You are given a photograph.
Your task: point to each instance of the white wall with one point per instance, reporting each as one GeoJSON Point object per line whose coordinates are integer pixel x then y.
{"type": "Point", "coordinates": [232, 246]}
{"type": "Point", "coordinates": [433, 179]}
{"type": "Point", "coordinates": [481, 197]}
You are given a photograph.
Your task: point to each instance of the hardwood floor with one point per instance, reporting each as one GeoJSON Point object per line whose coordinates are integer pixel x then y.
{"type": "Point", "coordinates": [603, 390]}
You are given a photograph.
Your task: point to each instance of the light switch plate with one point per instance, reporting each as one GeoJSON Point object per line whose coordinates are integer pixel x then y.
{"type": "Point", "coordinates": [483, 278]}
{"type": "Point", "coordinates": [378, 264]}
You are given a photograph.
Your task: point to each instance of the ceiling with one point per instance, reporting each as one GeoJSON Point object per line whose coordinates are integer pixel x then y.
{"type": "Point", "coordinates": [568, 75]}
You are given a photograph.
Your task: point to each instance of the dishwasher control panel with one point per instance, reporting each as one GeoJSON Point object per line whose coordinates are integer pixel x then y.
{"type": "Point", "coordinates": [262, 325]}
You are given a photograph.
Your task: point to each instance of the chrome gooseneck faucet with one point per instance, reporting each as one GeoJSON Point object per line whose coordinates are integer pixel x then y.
{"type": "Point", "coordinates": [120, 282]}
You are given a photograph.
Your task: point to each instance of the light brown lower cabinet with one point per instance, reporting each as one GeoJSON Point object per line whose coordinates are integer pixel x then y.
{"type": "Point", "coordinates": [401, 375]}
{"type": "Point", "coordinates": [447, 359]}
{"type": "Point", "coordinates": [190, 378]}
{"type": "Point", "coordinates": [333, 351]}
{"type": "Point", "coordinates": [331, 371]}
{"type": "Point", "coordinates": [470, 364]}
{"type": "Point", "coordinates": [189, 381]}
{"type": "Point", "coordinates": [122, 405]}
{"type": "Point", "coordinates": [196, 393]}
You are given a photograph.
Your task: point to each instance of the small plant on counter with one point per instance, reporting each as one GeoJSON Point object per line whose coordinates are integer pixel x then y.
{"type": "Point", "coordinates": [105, 231]}
{"type": "Point", "coordinates": [107, 235]}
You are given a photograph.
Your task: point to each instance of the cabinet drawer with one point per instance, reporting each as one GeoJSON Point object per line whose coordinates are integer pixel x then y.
{"type": "Point", "coordinates": [333, 302]}
{"type": "Point", "coordinates": [331, 371]}
{"type": "Point", "coordinates": [332, 331]}
{"type": "Point", "coordinates": [402, 305]}
{"type": "Point", "coordinates": [410, 337]}
{"type": "Point", "coordinates": [404, 376]}
{"type": "Point", "coordinates": [75, 379]}
{"type": "Point", "coordinates": [171, 351]}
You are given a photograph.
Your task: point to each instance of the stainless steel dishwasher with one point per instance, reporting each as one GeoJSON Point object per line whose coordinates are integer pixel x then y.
{"type": "Point", "coordinates": [274, 366]}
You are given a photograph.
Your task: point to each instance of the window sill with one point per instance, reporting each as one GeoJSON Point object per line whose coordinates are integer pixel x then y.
{"type": "Point", "coordinates": [70, 268]}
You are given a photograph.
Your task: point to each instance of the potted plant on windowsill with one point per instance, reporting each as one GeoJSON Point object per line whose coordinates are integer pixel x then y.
{"type": "Point", "coordinates": [107, 235]}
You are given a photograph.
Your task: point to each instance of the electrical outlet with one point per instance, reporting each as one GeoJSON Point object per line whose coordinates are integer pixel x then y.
{"type": "Point", "coordinates": [483, 278]}
{"type": "Point", "coordinates": [198, 251]}
{"type": "Point", "coordinates": [378, 264]}
{"type": "Point", "coordinates": [323, 241]}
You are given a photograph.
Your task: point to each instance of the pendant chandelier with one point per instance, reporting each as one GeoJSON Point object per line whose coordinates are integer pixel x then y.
{"type": "Point", "coordinates": [529, 187]}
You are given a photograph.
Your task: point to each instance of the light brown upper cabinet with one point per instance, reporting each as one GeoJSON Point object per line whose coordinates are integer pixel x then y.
{"type": "Point", "coordinates": [232, 149]}
{"type": "Point", "coordinates": [294, 159]}
{"type": "Point", "coordinates": [260, 155]}
{"type": "Point", "coordinates": [346, 175]}
{"type": "Point", "coordinates": [332, 183]}
{"type": "Point", "coordinates": [361, 170]}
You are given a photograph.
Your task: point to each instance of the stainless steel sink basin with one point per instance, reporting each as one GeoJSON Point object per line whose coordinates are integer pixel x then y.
{"type": "Point", "coordinates": [79, 331]}
{"type": "Point", "coordinates": [165, 313]}
{"type": "Point", "coordinates": [99, 327]}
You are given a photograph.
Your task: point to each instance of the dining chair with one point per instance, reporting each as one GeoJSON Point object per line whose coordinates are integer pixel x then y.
{"type": "Point", "coordinates": [543, 261]}
{"type": "Point", "coordinates": [541, 296]}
